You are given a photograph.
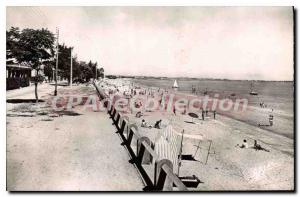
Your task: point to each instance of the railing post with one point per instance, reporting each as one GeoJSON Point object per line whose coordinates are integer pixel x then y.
{"type": "Point", "coordinates": [108, 104]}
{"type": "Point", "coordinates": [110, 110]}
{"type": "Point", "coordinates": [129, 137]}
{"type": "Point", "coordinates": [161, 180]}
{"type": "Point", "coordinates": [143, 155]}
{"type": "Point", "coordinates": [123, 120]}
{"type": "Point", "coordinates": [113, 112]}
{"type": "Point", "coordinates": [116, 118]}
{"type": "Point", "coordinates": [114, 115]}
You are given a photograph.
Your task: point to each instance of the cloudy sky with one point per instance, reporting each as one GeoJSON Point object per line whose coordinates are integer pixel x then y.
{"type": "Point", "coordinates": [214, 42]}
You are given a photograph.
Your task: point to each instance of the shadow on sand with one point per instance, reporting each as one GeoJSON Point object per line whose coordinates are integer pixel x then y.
{"type": "Point", "coordinates": [23, 101]}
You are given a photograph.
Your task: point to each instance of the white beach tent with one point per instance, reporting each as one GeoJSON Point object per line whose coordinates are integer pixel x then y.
{"type": "Point", "coordinates": [168, 144]}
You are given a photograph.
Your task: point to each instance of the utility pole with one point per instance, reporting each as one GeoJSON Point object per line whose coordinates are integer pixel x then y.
{"type": "Point", "coordinates": [96, 72]}
{"type": "Point", "coordinates": [53, 74]}
{"type": "Point", "coordinates": [71, 69]}
{"type": "Point", "coordinates": [57, 36]}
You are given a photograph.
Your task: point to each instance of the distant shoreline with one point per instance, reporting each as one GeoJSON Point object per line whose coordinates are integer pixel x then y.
{"type": "Point", "coordinates": [195, 78]}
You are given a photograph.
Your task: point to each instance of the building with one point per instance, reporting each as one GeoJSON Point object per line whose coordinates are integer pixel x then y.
{"type": "Point", "coordinates": [17, 75]}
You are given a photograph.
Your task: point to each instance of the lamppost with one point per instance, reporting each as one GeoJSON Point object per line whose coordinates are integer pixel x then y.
{"type": "Point", "coordinates": [71, 69]}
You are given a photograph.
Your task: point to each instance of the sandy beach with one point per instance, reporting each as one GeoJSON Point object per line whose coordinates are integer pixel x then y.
{"type": "Point", "coordinates": [227, 166]}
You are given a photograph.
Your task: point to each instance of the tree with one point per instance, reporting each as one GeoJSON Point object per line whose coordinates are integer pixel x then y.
{"type": "Point", "coordinates": [87, 70]}
{"type": "Point", "coordinates": [65, 61]}
{"type": "Point", "coordinates": [76, 70]}
{"type": "Point", "coordinates": [96, 70]}
{"type": "Point", "coordinates": [34, 47]}
{"type": "Point", "coordinates": [48, 70]}
{"type": "Point", "coordinates": [101, 72]}
{"type": "Point", "coordinates": [12, 43]}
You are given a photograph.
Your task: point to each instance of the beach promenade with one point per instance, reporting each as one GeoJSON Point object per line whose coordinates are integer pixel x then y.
{"type": "Point", "coordinates": [71, 152]}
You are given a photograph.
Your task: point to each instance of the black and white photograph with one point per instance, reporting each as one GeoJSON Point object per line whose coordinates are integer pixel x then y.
{"type": "Point", "coordinates": [150, 98]}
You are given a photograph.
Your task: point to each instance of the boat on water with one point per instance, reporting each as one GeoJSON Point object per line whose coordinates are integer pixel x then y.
{"type": "Point", "coordinates": [175, 85]}
{"type": "Point", "coordinates": [252, 92]}
{"type": "Point", "coordinates": [205, 92]}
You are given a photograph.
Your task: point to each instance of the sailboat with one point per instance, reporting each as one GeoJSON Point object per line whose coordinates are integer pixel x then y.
{"type": "Point", "coordinates": [252, 92]}
{"type": "Point", "coordinates": [175, 85]}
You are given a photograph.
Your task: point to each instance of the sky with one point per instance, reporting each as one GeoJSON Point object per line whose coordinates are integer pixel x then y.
{"type": "Point", "coordinates": [254, 43]}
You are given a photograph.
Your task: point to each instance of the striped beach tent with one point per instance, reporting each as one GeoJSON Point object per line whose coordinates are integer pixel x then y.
{"type": "Point", "coordinates": [167, 146]}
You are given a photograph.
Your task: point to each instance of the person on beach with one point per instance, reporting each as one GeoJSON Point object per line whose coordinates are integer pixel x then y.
{"type": "Point", "coordinates": [262, 105]}
{"type": "Point", "coordinates": [245, 144]}
{"type": "Point", "coordinates": [271, 117]}
{"type": "Point", "coordinates": [184, 110]}
{"type": "Point", "coordinates": [138, 104]}
{"type": "Point", "coordinates": [158, 124]}
{"type": "Point", "coordinates": [139, 114]}
{"type": "Point", "coordinates": [203, 114]}
{"type": "Point", "coordinates": [214, 114]}
{"type": "Point", "coordinates": [193, 90]}
{"type": "Point", "coordinates": [145, 125]}
{"type": "Point", "coordinates": [259, 147]}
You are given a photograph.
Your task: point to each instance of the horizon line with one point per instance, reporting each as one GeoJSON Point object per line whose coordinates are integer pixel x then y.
{"type": "Point", "coordinates": [201, 78]}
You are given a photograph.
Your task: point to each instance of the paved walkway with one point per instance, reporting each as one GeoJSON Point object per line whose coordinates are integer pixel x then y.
{"type": "Point", "coordinates": [69, 153]}
{"type": "Point", "coordinates": [28, 92]}
{"type": "Point", "coordinates": [44, 89]}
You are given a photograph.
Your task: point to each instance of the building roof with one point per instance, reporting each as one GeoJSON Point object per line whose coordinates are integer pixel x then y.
{"type": "Point", "coordinates": [18, 66]}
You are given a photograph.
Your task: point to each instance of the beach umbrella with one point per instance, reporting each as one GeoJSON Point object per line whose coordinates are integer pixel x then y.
{"type": "Point", "coordinates": [193, 115]}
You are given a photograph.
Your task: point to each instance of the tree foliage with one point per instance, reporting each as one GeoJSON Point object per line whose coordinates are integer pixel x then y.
{"type": "Point", "coordinates": [12, 43]}
{"type": "Point", "coordinates": [32, 46]}
{"type": "Point", "coordinates": [36, 47]}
